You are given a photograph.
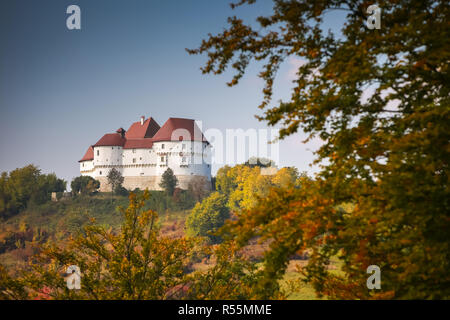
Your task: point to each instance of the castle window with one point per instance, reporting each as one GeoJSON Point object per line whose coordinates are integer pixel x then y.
{"type": "Point", "coordinates": [162, 159]}
{"type": "Point", "coordinates": [134, 150]}
{"type": "Point", "coordinates": [100, 173]}
{"type": "Point", "coordinates": [134, 160]}
{"type": "Point", "coordinates": [98, 152]}
{"type": "Point", "coordinates": [162, 146]}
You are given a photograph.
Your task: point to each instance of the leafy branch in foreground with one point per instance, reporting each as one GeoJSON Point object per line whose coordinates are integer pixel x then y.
{"type": "Point", "coordinates": [380, 102]}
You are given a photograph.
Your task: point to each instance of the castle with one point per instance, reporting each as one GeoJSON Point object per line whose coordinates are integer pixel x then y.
{"type": "Point", "coordinates": [144, 152]}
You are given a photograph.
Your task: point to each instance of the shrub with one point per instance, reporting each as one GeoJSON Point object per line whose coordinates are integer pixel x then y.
{"type": "Point", "coordinates": [207, 217]}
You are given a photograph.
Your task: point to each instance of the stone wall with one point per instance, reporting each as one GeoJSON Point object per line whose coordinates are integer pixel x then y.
{"type": "Point", "coordinates": [152, 182]}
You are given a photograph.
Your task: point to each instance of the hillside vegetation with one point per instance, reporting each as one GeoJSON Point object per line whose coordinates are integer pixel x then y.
{"type": "Point", "coordinates": [58, 221]}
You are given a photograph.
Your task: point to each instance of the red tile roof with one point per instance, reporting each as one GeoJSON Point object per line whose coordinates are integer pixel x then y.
{"type": "Point", "coordinates": [140, 131]}
{"type": "Point", "coordinates": [89, 155]}
{"type": "Point", "coordinates": [111, 139]}
{"type": "Point", "coordinates": [177, 129]}
{"type": "Point", "coordinates": [142, 136]}
{"type": "Point", "coordinates": [138, 143]}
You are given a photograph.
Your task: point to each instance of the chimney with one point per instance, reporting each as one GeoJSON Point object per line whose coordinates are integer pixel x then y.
{"type": "Point", "coordinates": [142, 120]}
{"type": "Point", "coordinates": [121, 131]}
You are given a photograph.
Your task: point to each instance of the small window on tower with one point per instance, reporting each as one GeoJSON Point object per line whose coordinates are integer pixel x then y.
{"type": "Point", "coordinates": [162, 159]}
{"type": "Point", "coordinates": [162, 146]}
{"type": "Point", "coordinates": [134, 150]}
{"type": "Point", "coordinates": [100, 173]}
{"type": "Point", "coordinates": [98, 152]}
{"type": "Point", "coordinates": [134, 160]}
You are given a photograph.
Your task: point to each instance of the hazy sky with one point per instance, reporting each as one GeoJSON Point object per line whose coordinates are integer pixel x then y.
{"type": "Point", "coordinates": [61, 90]}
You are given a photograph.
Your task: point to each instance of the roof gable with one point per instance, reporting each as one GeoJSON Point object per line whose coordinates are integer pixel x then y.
{"type": "Point", "coordinates": [111, 139]}
{"type": "Point", "coordinates": [89, 155]}
{"type": "Point", "coordinates": [178, 129]}
{"type": "Point", "coordinates": [146, 143]}
{"type": "Point", "coordinates": [145, 130]}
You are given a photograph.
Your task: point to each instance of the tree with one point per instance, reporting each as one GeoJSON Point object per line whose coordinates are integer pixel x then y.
{"type": "Point", "coordinates": [168, 182]}
{"type": "Point", "coordinates": [115, 179]}
{"type": "Point", "coordinates": [24, 185]}
{"type": "Point", "coordinates": [285, 177]}
{"type": "Point", "coordinates": [379, 99]}
{"type": "Point", "coordinates": [259, 162]}
{"type": "Point", "coordinates": [84, 184]}
{"type": "Point", "coordinates": [225, 180]}
{"type": "Point", "coordinates": [207, 217]}
{"type": "Point", "coordinates": [46, 184]}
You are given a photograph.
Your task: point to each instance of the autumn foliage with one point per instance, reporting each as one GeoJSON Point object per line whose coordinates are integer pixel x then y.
{"type": "Point", "coordinates": [379, 101]}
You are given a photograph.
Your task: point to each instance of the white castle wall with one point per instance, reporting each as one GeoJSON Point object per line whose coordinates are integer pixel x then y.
{"type": "Point", "coordinates": [86, 166]}
{"type": "Point", "coordinates": [143, 168]}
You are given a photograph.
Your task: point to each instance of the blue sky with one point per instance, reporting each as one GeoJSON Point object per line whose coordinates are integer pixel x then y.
{"type": "Point", "coordinates": [61, 90]}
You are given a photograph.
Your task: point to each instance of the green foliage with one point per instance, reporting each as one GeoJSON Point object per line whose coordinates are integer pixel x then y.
{"type": "Point", "coordinates": [380, 101]}
{"type": "Point", "coordinates": [225, 180]}
{"type": "Point", "coordinates": [24, 185]}
{"type": "Point", "coordinates": [168, 181]}
{"type": "Point", "coordinates": [121, 191]}
{"type": "Point", "coordinates": [84, 185]}
{"type": "Point", "coordinates": [207, 217]}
